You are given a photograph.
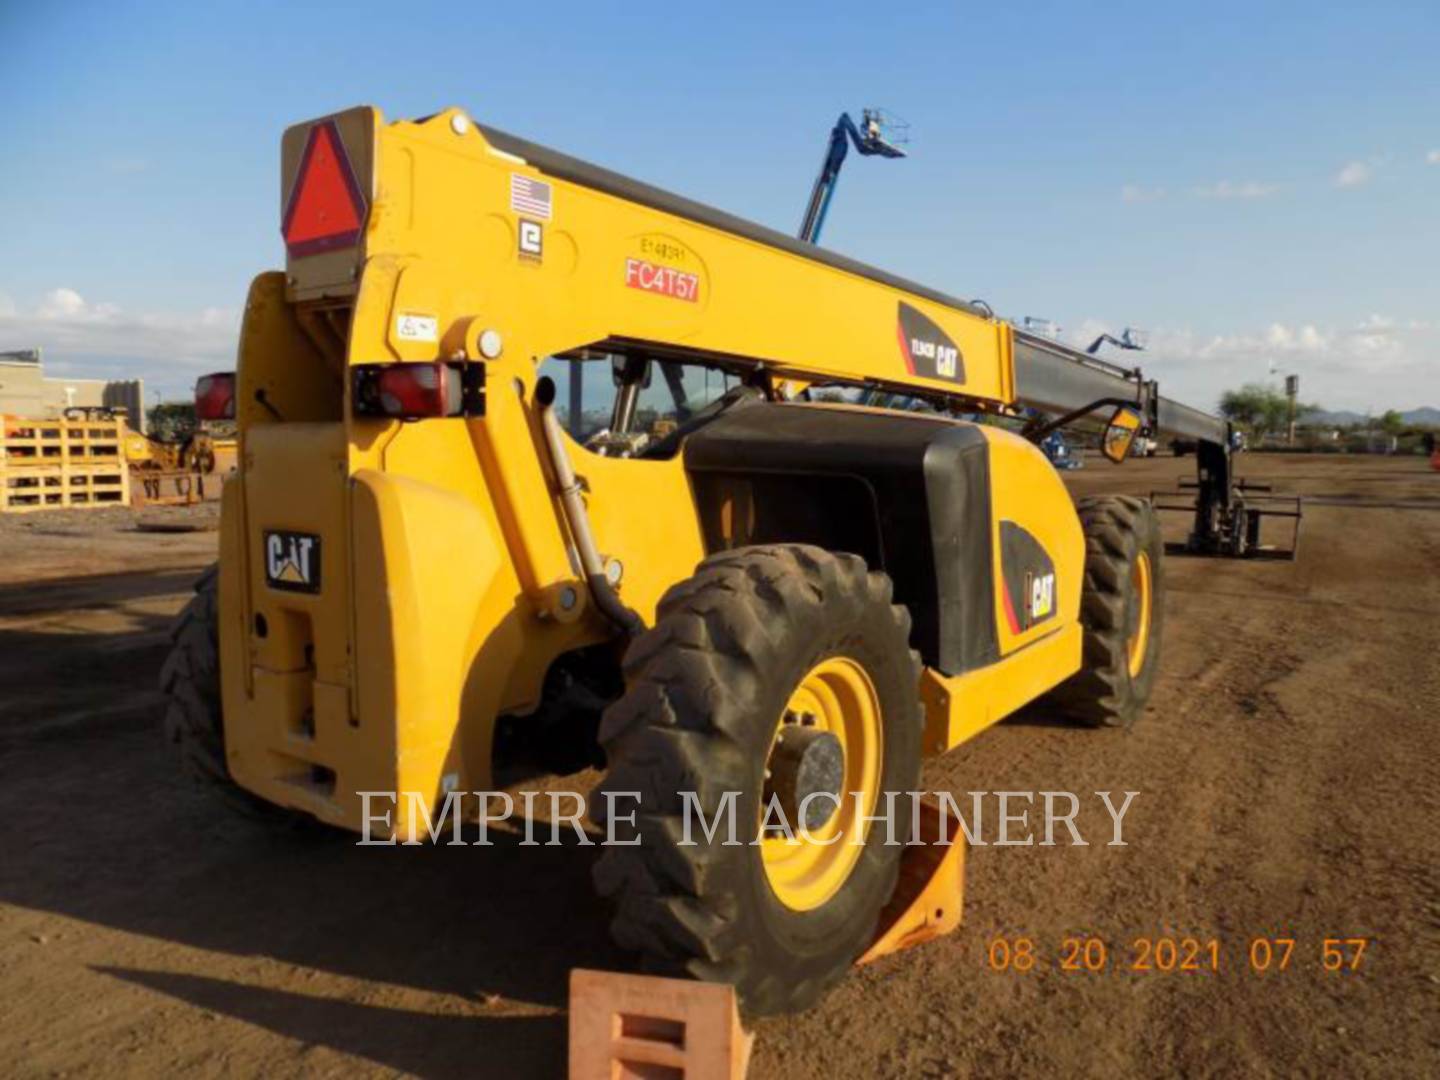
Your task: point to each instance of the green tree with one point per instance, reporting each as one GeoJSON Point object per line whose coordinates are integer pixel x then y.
{"type": "Point", "coordinates": [1253, 406]}
{"type": "Point", "coordinates": [1241, 406]}
{"type": "Point", "coordinates": [1261, 409]}
{"type": "Point", "coordinates": [172, 421]}
{"type": "Point", "coordinates": [1275, 413]}
{"type": "Point", "coordinates": [1392, 423]}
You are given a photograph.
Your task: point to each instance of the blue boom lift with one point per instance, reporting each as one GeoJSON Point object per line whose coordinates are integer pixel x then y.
{"type": "Point", "coordinates": [869, 139]}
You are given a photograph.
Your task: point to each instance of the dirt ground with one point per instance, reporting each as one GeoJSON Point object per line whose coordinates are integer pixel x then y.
{"type": "Point", "coordinates": [1287, 780]}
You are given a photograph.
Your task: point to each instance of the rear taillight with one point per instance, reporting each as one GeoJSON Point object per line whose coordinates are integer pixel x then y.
{"type": "Point", "coordinates": [416, 391]}
{"type": "Point", "coordinates": [215, 396]}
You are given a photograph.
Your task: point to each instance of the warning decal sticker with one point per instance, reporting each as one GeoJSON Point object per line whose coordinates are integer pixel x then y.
{"type": "Point", "coordinates": [326, 208]}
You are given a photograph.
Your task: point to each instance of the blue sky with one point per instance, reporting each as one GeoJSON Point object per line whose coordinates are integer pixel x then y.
{"type": "Point", "coordinates": [1255, 184]}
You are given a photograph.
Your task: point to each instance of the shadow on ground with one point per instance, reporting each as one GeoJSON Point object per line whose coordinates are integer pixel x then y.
{"type": "Point", "coordinates": [102, 827]}
{"type": "Point", "coordinates": [422, 1044]}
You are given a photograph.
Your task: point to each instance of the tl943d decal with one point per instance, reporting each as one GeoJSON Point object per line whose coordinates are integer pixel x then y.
{"type": "Point", "coordinates": [928, 350]}
{"type": "Point", "coordinates": [1028, 578]}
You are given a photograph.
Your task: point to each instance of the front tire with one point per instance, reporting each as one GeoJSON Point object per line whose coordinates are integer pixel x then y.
{"type": "Point", "coordinates": [762, 642]}
{"type": "Point", "coordinates": [1121, 610]}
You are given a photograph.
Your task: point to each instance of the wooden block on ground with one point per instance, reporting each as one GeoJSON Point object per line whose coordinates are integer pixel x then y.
{"type": "Point", "coordinates": [641, 1027]}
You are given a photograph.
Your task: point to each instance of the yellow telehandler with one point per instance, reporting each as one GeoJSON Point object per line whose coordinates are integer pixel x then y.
{"type": "Point", "coordinates": [521, 438]}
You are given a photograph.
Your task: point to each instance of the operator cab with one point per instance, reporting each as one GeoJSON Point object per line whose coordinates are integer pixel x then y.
{"type": "Point", "coordinates": [631, 404]}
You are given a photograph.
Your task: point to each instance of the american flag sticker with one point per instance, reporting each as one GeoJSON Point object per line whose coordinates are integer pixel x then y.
{"type": "Point", "coordinates": [529, 196]}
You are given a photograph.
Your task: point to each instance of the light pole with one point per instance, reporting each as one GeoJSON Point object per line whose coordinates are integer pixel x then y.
{"type": "Point", "coordinates": [1292, 391]}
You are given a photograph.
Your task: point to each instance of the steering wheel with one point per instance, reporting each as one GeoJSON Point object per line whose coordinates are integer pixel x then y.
{"type": "Point", "coordinates": [666, 447]}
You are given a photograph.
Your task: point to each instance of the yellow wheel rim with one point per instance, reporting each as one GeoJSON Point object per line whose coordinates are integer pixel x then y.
{"type": "Point", "coordinates": [1140, 585]}
{"type": "Point", "coordinates": [836, 695]}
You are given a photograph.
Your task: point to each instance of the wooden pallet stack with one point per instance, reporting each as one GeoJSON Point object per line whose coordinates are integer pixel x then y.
{"type": "Point", "coordinates": [62, 464]}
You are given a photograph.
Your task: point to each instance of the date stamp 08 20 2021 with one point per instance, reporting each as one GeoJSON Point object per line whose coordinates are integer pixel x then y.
{"type": "Point", "coordinates": [1165, 954]}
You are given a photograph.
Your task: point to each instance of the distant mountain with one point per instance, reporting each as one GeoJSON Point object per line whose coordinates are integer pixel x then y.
{"type": "Point", "coordinates": [1326, 418]}
{"type": "Point", "coordinates": [1424, 417]}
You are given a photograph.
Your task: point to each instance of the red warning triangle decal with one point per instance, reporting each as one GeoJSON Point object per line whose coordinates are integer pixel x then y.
{"type": "Point", "coordinates": [326, 208]}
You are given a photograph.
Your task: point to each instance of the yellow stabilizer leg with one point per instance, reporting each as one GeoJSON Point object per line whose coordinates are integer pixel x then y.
{"type": "Point", "coordinates": [930, 894]}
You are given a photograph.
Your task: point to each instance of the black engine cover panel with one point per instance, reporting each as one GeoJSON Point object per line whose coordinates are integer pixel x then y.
{"type": "Point", "coordinates": [909, 493]}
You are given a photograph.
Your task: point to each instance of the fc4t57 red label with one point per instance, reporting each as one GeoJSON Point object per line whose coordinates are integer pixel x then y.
{"type": "Point", "coordinates": [652, 277]}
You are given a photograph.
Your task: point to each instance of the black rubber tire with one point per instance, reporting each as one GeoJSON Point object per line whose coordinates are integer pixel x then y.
{"type": "Point", "coordinates": [190, 681]}
{"type": "Point", "coordinates": [705, 689]}
{"type": "Point", "coordinates": [1118, 528]}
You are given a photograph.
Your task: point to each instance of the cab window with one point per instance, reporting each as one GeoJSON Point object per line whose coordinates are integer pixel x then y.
{"type": "Point", "coordinates": [624, 405]}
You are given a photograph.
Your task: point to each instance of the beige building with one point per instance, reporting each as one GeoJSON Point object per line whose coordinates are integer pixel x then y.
{"type": "Point", "coordinates": [25, 390]}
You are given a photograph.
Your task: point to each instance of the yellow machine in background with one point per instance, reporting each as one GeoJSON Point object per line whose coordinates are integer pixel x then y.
{"type": "Point", "coordinates": [142, 452]}
{"type": "Point", "coordinates": [198, 452]}
{"type": "Point", "coordinates": [172, 470]}
{"type": "Point", "coordinates": [528, 447]}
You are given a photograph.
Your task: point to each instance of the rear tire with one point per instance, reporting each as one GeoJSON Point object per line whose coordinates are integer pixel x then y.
{"type": "Point", "coordinates": [193, 722]}
{"type": "Point", "coordinates": [1121, 610]}
{"type": "Point", "coordinates": [708, 690]}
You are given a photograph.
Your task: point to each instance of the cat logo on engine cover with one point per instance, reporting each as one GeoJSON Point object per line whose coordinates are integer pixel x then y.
{"type": "Point", "coordinates": [1028, 573]}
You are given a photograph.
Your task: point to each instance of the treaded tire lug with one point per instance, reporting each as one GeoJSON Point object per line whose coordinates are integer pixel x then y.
{"type": "Point", "coordinates": [705, 689]}
{"type": "Point", "coordinates": [192, 720]}
{"type": "Point", "coordinates": [1118, 528]}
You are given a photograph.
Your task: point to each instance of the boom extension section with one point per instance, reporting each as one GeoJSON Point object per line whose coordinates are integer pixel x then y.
{"type": "Point", "coordinates": [1227, 512]}
{"type": "Point", "coordinates": [1047, 376]}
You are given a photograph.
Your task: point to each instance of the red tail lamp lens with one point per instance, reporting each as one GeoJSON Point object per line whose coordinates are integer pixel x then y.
{"type": "Point", "coordinates": [408, 391]}
{"type": "Point", "coordinates": [215, 396]}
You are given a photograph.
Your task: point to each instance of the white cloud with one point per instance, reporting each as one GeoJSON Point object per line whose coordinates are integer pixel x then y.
{"type": "Point", "coordinates": [1355, 174]}
{"type": "Point", "coordinates": [1221, 189]}
{"type": "Point", "coordinates": [1134, 193]}
{"type": "Point", "coordinates": [1377, 363]}
{"type": "Point", "coordinates": [83, 339]}
{"type": "Point", "coordinates": [1433, 157]}
{"type": "Point", "coordinates": [66, 305]}
{"type": "Point", "coordinates": [1225, 189]}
